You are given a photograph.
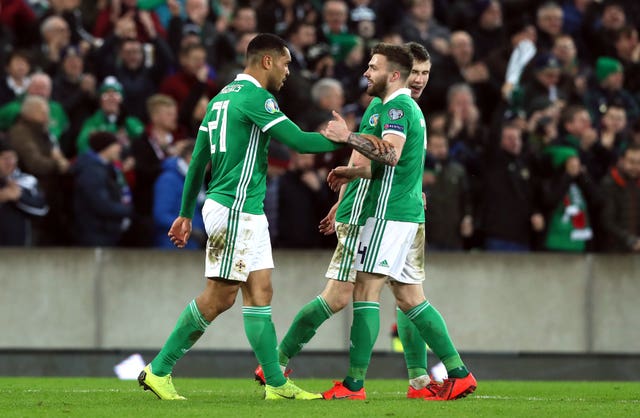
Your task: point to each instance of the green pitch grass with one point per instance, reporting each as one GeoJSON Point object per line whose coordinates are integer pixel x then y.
{"type": "Point", "coordinates": [102, 397]}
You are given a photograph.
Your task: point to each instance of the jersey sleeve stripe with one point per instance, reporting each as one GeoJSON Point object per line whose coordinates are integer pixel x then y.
{"type": "Point", "coordinates": [203, 129]}
{"type": "Point", "coordinates": [273, 122]}
{"type": "Point", "coordinates": [391, 131]}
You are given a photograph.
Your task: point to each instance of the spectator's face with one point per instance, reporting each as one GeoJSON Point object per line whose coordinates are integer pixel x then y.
{"type": "Point", "coordinates": [613, 17]}
{"type": "Point", "coordinates": [110, 102]}
{"type": "Point", "coordinates": [245, 20]}
{"type": "Point", "coordinates": [462, 48]}
{"type": "Point", "coordinates": [564, 49]}
{"type": "Point", "coordinates": [462, 103]}
{"type": "Point", "coordinates": [615, 119]}
{"type": "Point", "coordinates": [57, 31]}
{"type": "Point", "coordinates": [422, 10]}
{"type": "Point", "coordinates": [580, 123]}
{"type": "Point", "coordinates": [625, 45]}
{"type": "Point", "coordinates": [333, 99]}
{"type": "Point", "coordinates": [18, 68]}
{"type": "Point", "coordinates": [377, 75]}
{"type": "Point", "coordinates": [306, 36]}
{"type": "Point", "coordinates": [437, 147]}
{"type": "Point", "coordinates": [511, 140]}
{"type": "Point", "coordinates": [418, 78]}
{"type": "Point", "coordinates": [8, 163]}
{"type": "Point", "coordinates": [132, 55]}
{"type": "Point", "coordinates": [491, 18]}
{"type": "Point", "coordinates": [631, 163]}
{"type": "Point", "coordinates": [64, 4]}
{"type": "Point", "coordinates": [112, 152]}
{"type": "Point", "coordinates": [40, 85]}
{"type": "Point", "coordinates": [335, 15]}
{"type": "Point", "coordinates": [614, 81]}
{"type": "Point", "coordinates": [166, 117]}
{"type": "Point", "coordinates": [550, 20]}
{"type": "Point", "coordinates": [197, 10]}
{"type": "Point", "coordinates": [193, 62]}
{"type": "Point", "coordinates": [279, 70]}
{"type": "Point", "coordinates": [548, 76]}
{"type": "Point", "coordinates": [302, 162]}
{"type": "Point", "coordinates": [73, 66]}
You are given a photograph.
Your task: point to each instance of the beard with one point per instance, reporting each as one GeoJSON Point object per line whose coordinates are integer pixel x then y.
{"type": "Point", "coordinates": [377, 88]}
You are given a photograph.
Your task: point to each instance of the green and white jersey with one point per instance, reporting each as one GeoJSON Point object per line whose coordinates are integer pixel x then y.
{"type": "Point", "coordinates": [350, 206]}
{"type": "Point", "coordinates": [395, 193]}
{"type": "Point", "coordinates": [233, 136]}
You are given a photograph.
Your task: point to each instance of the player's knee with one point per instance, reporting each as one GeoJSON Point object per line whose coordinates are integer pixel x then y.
{"type": "Point", "coordinates": [338, 300]}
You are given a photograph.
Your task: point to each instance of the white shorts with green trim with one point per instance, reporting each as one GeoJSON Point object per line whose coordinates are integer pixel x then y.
{"type": "Point", "coordinates": [238, 242]}
{"type": "Point", "coordinates": [341, 267]}
{"type": "Point", "coordinates": [392, 248]}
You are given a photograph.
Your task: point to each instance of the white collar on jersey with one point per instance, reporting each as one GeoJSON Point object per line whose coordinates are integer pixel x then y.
{"type": "Point", "coordinates": [247, 77]}
{"type": "Point", "coordinates": [397, 93]}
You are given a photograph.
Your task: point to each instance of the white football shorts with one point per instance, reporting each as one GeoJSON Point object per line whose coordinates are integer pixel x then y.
{"type": "Point", "coordinates": [238, 242]}
{"type": "Point", "coordinates": [392, 248]}
{"type": "Point", "coordinates": [342, 267]}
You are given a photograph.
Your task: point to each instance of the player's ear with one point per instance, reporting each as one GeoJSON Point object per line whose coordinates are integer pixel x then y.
{"type": "Point", "coordinates": [267, 61]}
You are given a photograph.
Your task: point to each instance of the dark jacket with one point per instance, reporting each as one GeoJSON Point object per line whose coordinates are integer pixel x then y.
{"type": "Point", "coordinates": [98, 202]}
{"type": "Point", "coordinates": [508, 198]}
{"type": "Point", "coordinates": [448, 201]}
{"type": "Point", "coordinates": [621, 211]}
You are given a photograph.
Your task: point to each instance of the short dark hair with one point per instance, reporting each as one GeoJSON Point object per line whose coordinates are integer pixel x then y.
{"type": "Point", "coordinates": [418, 51]}
{"type": "Point", "coordinates": [398, 57]}
{"type": "Point", "coordinates": [265, 42]}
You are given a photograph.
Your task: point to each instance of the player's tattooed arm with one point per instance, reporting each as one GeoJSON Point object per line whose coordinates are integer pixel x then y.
{"type": "Point", "coordinates": [373, 148]}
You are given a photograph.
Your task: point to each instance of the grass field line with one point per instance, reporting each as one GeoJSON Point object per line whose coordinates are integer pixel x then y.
{"type": "Point", "coordinates": [374, 393]}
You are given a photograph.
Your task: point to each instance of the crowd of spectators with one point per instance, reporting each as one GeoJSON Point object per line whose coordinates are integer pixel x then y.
{"type": "Point", "coordinates": [533, 112]}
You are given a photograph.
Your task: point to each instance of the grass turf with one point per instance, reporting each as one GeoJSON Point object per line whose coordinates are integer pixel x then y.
{"type": "Point", "coordinates": [104, 397]}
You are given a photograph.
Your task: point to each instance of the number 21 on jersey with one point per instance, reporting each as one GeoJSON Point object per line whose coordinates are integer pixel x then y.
{"type": "Point", "coordinates": [218, 124]}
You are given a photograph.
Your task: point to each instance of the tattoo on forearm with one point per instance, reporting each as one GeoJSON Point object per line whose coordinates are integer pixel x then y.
{"type": "Point", "coordinates": [366, 148]}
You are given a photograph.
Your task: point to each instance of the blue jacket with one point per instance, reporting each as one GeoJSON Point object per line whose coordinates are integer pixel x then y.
{"type": "Point", "coordinates": [98, 203]}
{"type": "Point", "coordinates": [167, 198]}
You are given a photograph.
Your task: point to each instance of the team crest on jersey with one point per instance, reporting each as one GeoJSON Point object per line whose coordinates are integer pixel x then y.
{"type": "Point", "coordinates": [395, 114]}
{"type": "Point", "coordinates": [271, 106]}
{"type": "Point", "coordinates": [373, 120]}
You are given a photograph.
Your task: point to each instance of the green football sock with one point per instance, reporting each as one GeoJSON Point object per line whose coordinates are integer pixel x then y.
{"type": "Point", "coordinates": [364, 332]}
{"type": "Point", "coordinates": [434, 331]}
{"type": "Point", "coordinates": [191, 325]}
{"type": "Point", "coordinates": [262, 336]}
{"type": "Point", "coordinates": [303, 328]}
{"type": "Point", "coordinates": [415, 350]}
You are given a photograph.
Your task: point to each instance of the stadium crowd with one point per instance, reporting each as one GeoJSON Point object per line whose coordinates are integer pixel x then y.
{"type": "Point", "coordinates": [533, 112]}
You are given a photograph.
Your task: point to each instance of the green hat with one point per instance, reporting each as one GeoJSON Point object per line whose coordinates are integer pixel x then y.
{"type": "Point", "coordinates": [560, 154]}
{"type": "Point", "coordinates": [110, 83]}
{"type": "Point", "coordinates": [605, 66]}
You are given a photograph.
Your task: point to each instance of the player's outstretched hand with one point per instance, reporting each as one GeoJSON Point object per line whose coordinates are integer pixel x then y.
{"type": "Point", "coordinates": [328, 223]}
{"type": "Point", "coordinates": [339, 176]}
{"type": "Point", "coordinates": [336, 129]}
{"type": "Point", "coordinates": [180, 231]}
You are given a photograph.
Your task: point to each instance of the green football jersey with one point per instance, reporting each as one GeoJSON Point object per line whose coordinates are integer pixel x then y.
{"type": "Point", "coordinates": [395, 193]}
{"type": "Point", "coordinates": [350, 206]}
{"type": "Point", "coordinates": [233, 137]}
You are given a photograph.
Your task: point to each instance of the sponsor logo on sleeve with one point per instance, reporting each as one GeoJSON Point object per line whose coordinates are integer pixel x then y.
{"type": "Point", "coordinates": [393, 127]}
{"type": "Point", "coordinates": [271, 106]}
{"type": "Point", "coordinates": [395, 114]}
{"type": "Point", "coordinates": [373, 120]}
